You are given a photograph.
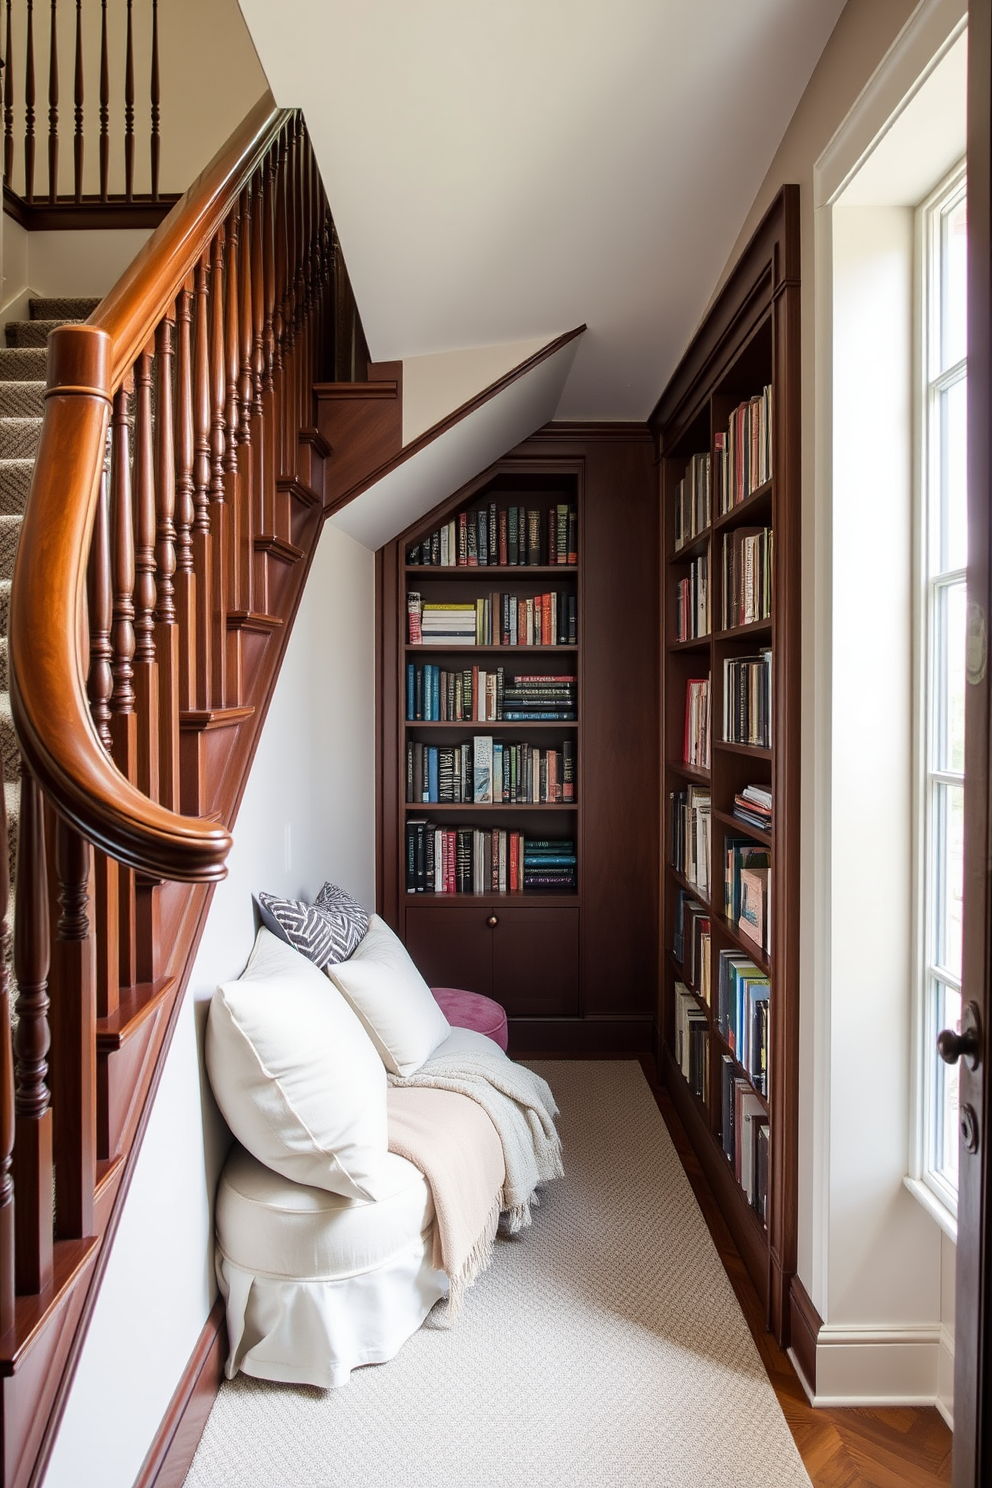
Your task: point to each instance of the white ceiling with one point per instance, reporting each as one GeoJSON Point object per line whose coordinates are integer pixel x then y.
{"type": "Point", "coordinates": [501, 170]}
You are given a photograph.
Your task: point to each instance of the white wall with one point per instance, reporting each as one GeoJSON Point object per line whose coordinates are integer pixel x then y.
{"type": "Point", "coordinates": [313, 777]}
{"type": "Point", "coordinates": [72, 264]}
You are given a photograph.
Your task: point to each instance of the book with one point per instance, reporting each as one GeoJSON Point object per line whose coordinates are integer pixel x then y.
{"type": "Point", "coordinates": [482, 766]}
{"type": "Point", "coordinates": [752, 916]}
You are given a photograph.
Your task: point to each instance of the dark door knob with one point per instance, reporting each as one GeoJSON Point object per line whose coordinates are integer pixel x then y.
{"type": "Point", "coordinates": [492, 921]}
{"type": "Point", "coordinates": [967, 1044]}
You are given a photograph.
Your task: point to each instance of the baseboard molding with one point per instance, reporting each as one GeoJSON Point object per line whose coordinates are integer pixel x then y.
{"type": "Point", "coordinates": [170, 1454]}
{"type": "Point", "coordinates": [580, 1038]}
{"type": "Point", "coordinates": [878, 1366]}
{"type": "Point", "coordinates": [804, 1330]}
{"type": "Point", "coordinates": [945, 1377]}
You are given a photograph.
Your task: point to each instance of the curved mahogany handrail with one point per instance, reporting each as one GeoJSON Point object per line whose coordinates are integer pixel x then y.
{"type": "Point", "coordinates": [48, 660]}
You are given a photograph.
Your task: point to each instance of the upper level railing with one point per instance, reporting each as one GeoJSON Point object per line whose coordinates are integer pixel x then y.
{"type": "Point", "coordinates": [97, 137]}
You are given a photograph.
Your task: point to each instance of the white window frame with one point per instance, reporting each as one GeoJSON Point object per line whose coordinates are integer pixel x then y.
{"type": "Point", "coordinates": [930, 1186]}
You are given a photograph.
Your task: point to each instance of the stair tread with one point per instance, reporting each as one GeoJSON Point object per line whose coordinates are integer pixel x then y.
{"type": "Point", "coordinates": [68, 308]}
{"type": "Point", "coordinates": [23, 363]}
{"type": "Point", "coordinates": [32, 332]}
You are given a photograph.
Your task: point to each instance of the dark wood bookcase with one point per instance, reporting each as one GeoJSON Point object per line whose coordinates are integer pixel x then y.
{"type": "Point", "coordinates": [749, 340]}
{"type": "Point", "coordinates": [576, 970]}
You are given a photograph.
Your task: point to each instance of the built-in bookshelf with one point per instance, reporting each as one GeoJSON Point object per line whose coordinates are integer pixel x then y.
{"type": "Point", "coordinates": [727, 436]}
{"type": "Point", "coordinates": [518, 687]}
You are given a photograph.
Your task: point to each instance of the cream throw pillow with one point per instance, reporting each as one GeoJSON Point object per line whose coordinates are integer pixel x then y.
{"type": "Point", "coordinates": [392, 999]}
{"type": "Point", "coordinates": [295, 1074]}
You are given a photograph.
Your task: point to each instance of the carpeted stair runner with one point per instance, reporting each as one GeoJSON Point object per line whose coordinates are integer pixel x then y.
{"type": "Point", "coordinates": [22, 388]}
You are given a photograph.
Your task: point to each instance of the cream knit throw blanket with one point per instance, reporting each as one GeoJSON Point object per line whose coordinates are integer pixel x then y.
{"type": "Point", "coordinates": [522, 1109]}
{"type": "Point", "coordinates": [455, 1145]}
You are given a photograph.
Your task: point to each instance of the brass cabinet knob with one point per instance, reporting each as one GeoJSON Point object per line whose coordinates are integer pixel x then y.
{"type": "Point", "coordinates": [492, 921]}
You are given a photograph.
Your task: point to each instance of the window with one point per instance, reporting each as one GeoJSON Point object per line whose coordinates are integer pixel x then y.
{"type": "Point", "coordinates": [943, 550]}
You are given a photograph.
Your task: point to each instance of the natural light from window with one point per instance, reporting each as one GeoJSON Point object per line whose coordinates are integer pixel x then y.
{"type": "Point", "coordinates": [944, 552]}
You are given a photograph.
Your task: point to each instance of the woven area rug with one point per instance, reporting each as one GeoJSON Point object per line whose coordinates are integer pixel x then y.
{"type": "Point", "coordinates": [604, 1348]}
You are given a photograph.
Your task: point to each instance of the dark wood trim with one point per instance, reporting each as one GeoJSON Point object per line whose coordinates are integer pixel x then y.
{"type": "Point", "coordinates": [590, 1037]}
{"type": "Point", "coordinates": [564, 429]}
{"type": "Point", "coordinates": [804, 1329]}
{"type": "Point", "coordinates": [170, 1454]}
{"type": "Point", "coordinates": [442, 427]}
{"type": "Point", "coordinates": [88, 214]}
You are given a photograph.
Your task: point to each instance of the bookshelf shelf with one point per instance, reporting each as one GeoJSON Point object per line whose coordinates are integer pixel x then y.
{"type": "Point", "coordinates": [742, 828]}
{"type": "Point", "coordinates": [474, 572]}
{"type": "Point", "coordinates": [475, 650]}
{"type": "Point", "coordinates": [752, 751]}
{"type": "Point", "coordinates": [754, 629]}
{"type": "Point", "coordinates": [751, 509]}
{"type": "Point", "coordinates": [729, 420]}
{"type": "Point", "coordinates": [424, 808]}
{"type": "Point", "coordinates": [493, 726]}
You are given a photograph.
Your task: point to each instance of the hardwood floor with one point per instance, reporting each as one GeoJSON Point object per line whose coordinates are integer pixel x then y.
{"type": "Point", "coordinates": [886, 1448]}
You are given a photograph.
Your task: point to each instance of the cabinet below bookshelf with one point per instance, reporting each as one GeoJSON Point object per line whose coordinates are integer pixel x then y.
{"type": "Point", "coordinates": [525, 955]}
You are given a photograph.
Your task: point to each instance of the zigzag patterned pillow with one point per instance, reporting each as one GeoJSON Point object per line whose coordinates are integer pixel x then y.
{"type": "Point", "coordinates": [307, 929]}
{"type": "Point", "coordinates": [348, 918]}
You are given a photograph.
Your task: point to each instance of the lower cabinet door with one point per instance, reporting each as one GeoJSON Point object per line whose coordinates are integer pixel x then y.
{"type": "Point", "coordinates": [536, 961]}
{"type": "Point", "coordinates": [452, 947]}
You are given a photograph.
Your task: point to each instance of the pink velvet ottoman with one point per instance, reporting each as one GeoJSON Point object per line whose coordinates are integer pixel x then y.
{"type": "Point", "coordinates": [472, 1010]}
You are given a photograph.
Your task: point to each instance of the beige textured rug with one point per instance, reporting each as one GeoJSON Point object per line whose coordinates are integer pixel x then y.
{"type": "Point", "coordinates": [603, 1349]}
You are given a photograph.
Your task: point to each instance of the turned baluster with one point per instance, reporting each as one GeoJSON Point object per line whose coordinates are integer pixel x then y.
{"type": "Point", "coordinates": [77, 144]}
{"type": "Point", "coordinates": [279, 238]}
{"type": "Point", "coordinates": [156, 143]}
{"type": "Point", "coordinates": [74, 1038]}
{"type": "Point", "coordinates": [246, 333]}
{"type": "Point", "coordinates": [53, 107]}
{"type": "Point", "coordinates": [134, 597]}
{"type": "Point", "coordinates": [129, 109]}
{"type": "Point", "coordinates": [289, 308]}
{"type": "Point", "coordinates": [101, 688]}
{"type": "Point", "coordinates": [7, 1287]}
{"type": "Point", "coordinates": [232, 349]}
{"type": "Point", "coordinates": [29, 109]}
{"type": "Point", "coordinates": [185, 509]}
{"type": "Point", "coordinates": [145, 670]}
{"type": "Point", "coordinates": [122, 545]}
{"type": "Point", "coordinates": [218, 513]}
{"type": "Point", "coordinates": [104, 106]}
{"type": "Point", "coordinates": [100, 684]}
{"type": "Point", "coordinates": [32, 1040]}
{"type": "Point", "coordinates": [269, 264]}
{"type": "Point", "coordinates": [8, 106]}
{"type": "Point", "coordinates": [166, 631]}
{"type": "Point", "coordinates": [258, 359]}
{"type": "Point", "coordinates": [202, 560]}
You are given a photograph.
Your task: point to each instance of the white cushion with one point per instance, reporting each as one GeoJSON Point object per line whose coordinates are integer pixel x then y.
{"type": "Point", "coordinates": [267, 1224]}
{"type": "Point", "coordinates": [392, 999]}
{"type": "Point", "coordinates": [295, 1075]}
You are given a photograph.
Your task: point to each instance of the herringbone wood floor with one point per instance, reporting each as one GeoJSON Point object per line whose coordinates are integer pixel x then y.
{"type": "Point", "coordinates": [897, 1448]}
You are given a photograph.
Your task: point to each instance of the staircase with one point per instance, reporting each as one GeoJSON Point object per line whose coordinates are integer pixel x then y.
{"type": "Point", "coordinates": [22, 392]}
{"type": "Point", "coordinates": [177, 492]}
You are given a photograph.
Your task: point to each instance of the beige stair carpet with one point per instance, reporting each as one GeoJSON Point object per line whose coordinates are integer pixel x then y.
{"type": "Point", "coordinates": [604, 1348]}
{"type": "Point", "coordinates": [22, 388]}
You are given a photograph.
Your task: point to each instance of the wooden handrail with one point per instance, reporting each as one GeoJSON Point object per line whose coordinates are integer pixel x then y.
{"type": "Point", "coordinates": [48, 654]}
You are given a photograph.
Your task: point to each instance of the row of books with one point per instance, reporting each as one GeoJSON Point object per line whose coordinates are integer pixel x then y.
{"type": "Point", "coordinates": [690, 836]}
{"type": "Point", "coordinates": [693, 501]}
{"type": "Point", "coordinates": [746, 896]}
{"type": "Point", "coordinates": [494, 620]}
{"type": "Point", "coordinates": [490, 772]}
{"type": "Point", "coordinates": [753, 806]}
{"type": "Point", "coordinates": [692, 602]}
{"type": "Point", "coordinates": [691, 943]}
{"type": "Point", "coordinates": [692, 1042]}
{"type": "Point", "coordinates": [744, 1133]}
{"type": "Point", "coordinates": [747, 576]}
{"type": "Point", "coordinates": [742, 1014]}
{"type": "Point", "coordinates": [470, 860]}
{"type": "Point", "coordinates": [747, 700]}
{"type": "Point", "coordinates": [497, 536]}
{"type": "Point", "coordinates": [475, 695]}
{"type": "Point", "coordinates": [696, 745]}
{"type": "Point", "coordinates": [745, 451]}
